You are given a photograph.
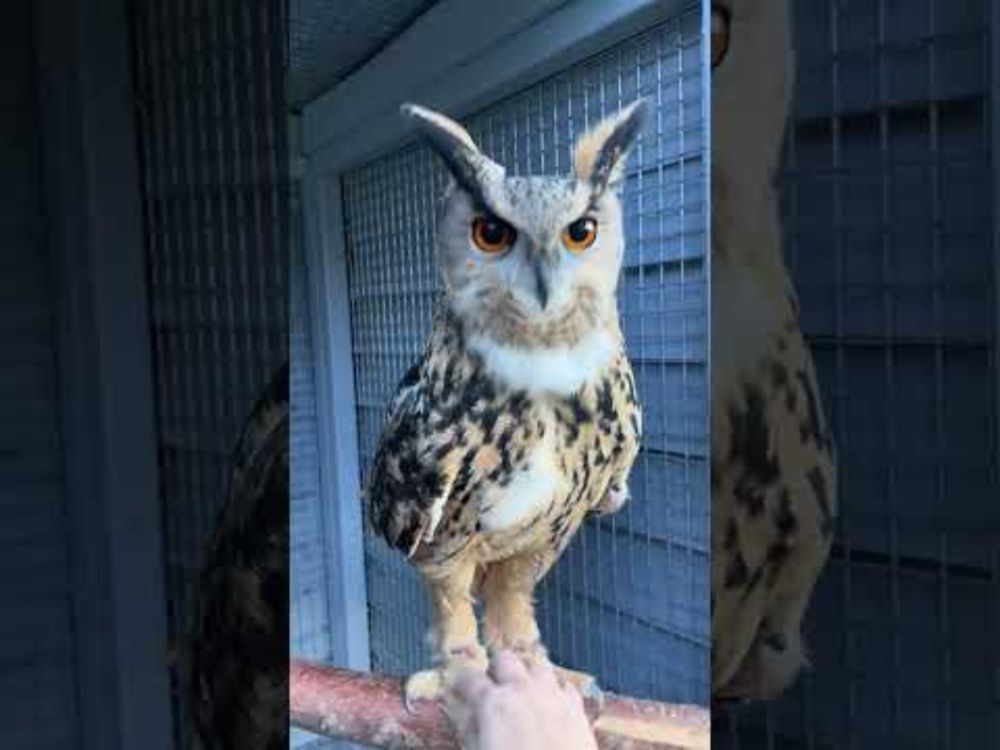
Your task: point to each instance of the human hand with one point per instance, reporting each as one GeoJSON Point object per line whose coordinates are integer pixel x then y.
{"type": "Point", "coordinates": [517, 707]}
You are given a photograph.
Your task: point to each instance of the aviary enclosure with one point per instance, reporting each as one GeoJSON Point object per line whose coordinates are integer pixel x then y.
{"type": "Point", "coordinates": [240, 108]}
{"type": "Point", "coordinates": [628, 601]}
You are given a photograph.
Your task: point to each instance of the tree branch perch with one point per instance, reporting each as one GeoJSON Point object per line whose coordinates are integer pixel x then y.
{"type": "Point", "coordinates": [369, 709]}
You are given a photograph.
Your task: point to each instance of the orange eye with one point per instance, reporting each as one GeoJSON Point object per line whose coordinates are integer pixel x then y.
{"type": "Point", "coordinates": [580, 235]}
{"type": "Point", "coordinates": [492, 235]}
{"type": "Point", "coordinates": [720, 33]}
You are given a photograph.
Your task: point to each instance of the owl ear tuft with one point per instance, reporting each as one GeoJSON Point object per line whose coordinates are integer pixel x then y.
{"type": "Point", "coordinates": [468, 165]}
{"type": "Point", "coordinates": [600, 153]}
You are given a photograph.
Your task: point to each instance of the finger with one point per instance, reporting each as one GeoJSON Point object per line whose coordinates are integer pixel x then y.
{"type": "Point", "coordinates": [508, 669]}
{"type": "Point", "coordinates": [541, 671]}
{"type": "Point", "coordinates": [468, 686]}
{"type": "Point", "coordinates": [573, 695]}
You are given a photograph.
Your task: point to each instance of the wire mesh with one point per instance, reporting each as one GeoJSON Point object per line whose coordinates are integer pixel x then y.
{"type": "Point", "coordinates": [629, 600]}
{"type": "Point", "coordinates": [888, 231]}
{"type": "Point", "coordinates": [208, 80]}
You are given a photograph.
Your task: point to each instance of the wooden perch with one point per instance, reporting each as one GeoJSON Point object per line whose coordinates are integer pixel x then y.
{"type": "Point", "coordinates": [369, 709]}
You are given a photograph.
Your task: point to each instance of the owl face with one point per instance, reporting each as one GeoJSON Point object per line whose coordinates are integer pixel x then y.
{"type": "Point", "coordinates": [531, 262]}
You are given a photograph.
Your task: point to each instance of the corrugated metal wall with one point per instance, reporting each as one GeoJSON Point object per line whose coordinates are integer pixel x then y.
{"type": "Point", "coordinates": [629, 601]}
{"type": "Point", "coordinates": [37, 642]}
{"type": "Point", "coordinates": [209, 80]}
{"type": "Point", "coordinates": [886, 195]}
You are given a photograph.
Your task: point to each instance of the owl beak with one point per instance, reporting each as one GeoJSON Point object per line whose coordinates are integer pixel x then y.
{"type": "Point", "coordinates": [542, 281]}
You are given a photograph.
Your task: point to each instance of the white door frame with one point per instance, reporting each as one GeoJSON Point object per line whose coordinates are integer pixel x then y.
{"type": "Point", "coordinates": [459, 56]}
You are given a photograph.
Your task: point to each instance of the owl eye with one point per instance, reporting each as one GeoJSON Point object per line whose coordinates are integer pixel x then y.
{"type": "Point", "coordinates": [491, 234]}
{"type": "Point", "coordinates": [720, 33]}
{"type": "Point", "coordinates": [580, 234]}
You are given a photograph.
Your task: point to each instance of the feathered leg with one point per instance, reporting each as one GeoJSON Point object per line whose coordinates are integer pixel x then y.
{"type": "Point", "coordinates": [456, 642]}
{"type": "Point", "coordinates": [509, 619]}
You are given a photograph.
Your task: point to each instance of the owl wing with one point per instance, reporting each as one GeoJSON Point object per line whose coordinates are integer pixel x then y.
{"type": "Point", "coordinates": [409, 480]}
{"type": "Point", "coordinates": [618, 404]}
{"type": "Point", "coordinates": [774, 494]}
{"type": "Point", "coordinates": [235, 659]}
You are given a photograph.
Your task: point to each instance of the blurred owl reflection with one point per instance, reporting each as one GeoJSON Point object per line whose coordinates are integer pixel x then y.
{"type": "Point", "coordinates": [236, 659]}
{"type": "Point", "coordinates": [774, 486]}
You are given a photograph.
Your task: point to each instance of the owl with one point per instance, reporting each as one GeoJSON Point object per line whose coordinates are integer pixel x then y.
{"type": "Point", "coordinates": [521, 417]}
{"type": "Point", "coordinates": [235, 659]}
{"type": "Point", "coordinates": [773, 479]}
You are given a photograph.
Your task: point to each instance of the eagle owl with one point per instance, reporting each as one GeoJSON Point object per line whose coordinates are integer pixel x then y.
{"type": "Point", "coordinates": [521, 417]}
{"type": "Point", "coordinates": [235, 658]}
{"type": "Point", "coordinates": [772, 469]}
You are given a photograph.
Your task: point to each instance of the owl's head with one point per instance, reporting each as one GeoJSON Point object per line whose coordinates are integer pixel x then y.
{"type": "Point", "coordinates": [752, 81]}
{"type": "Point", "coordinates": [531, 262]}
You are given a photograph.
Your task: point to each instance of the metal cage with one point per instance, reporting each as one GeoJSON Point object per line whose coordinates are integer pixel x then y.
{"type": "Point", "coordinates": [629, 600]}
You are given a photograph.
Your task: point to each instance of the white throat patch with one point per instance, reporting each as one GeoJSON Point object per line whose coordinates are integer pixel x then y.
{"type": "Point", "coordinates": [560, 371]}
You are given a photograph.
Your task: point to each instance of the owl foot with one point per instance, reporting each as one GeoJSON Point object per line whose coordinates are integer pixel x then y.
{"type": "Point", "coordinates": [772, 664]}
{"type": "Point", "coordinates": [431, 684]}
{"type": "Point", "coordinates": [614, 499]}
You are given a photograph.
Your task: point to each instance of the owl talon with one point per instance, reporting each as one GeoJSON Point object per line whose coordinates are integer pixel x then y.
{"type": "Point", "coordinates": [427, 685]}
{"type": "Point", "coordinates": [431, 684]}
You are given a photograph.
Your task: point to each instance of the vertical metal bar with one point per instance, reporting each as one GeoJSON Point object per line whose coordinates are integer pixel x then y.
{"type": "Point", "coordinates": [992, 58]}
{"type": "Point", "coordinates": [646, 455]}
{"type": "Point", "coordinates": [272, 33]}
{"type": "Point", "coordinates": [851, 722]}
{"type": "Point", "coordinates": [236, 188]}
{"type": "Point", "coordinates": [253, 49]}
{"type": "Point", "coordinates": [889, 371]}
{"type": "Point", "coordinates": [208, 292]}
{"type": "Point", "coordinates": [190, 293]}
{"type": "Point", "coordinates": [174, 205]}
{"type": "Point", "coordinates": [791, 230]}
{"type": "Point", "coordinates": [217, 180]}
{"type": "Point", "coordinates": [687, 455]}
{"type": "Point", "coordinates": [937, 276]}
